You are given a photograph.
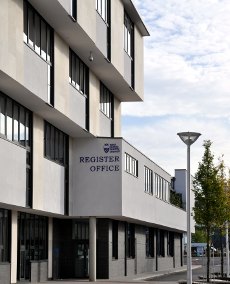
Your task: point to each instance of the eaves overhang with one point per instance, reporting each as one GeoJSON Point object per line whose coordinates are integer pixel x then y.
{"type": "Point", "coordinates": [80, 42]}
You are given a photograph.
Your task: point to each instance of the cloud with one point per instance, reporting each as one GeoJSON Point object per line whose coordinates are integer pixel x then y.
{"type": "Point", "coordinates": [187, 80]}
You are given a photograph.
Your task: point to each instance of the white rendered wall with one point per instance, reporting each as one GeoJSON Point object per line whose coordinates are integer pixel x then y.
{"type": "Point", "coordinates": [12, 173]}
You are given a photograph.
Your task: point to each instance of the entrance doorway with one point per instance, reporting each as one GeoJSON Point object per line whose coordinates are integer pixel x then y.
{"type": "Point", "coordinates": [82, 260]}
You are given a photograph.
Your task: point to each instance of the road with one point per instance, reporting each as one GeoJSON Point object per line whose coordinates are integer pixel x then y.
{"type": "Point", "coordinates": [196, 273]}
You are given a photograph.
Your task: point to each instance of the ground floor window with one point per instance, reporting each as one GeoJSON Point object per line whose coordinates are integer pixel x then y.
{"type": "Point", "coordinates": [170, 240]}
{"type": "Point", "coordinates": [149, 233]}
{"type": "Point", "coordinates": [115, 239]}
{"type": "Point", "coordinates": [130, 240]}
{"type": "Point", "coordinates": [4, 235]}
{"type": "Point", "coordinates": [161, 243]}
{"type": "Point", "coordinates": [32, 242]}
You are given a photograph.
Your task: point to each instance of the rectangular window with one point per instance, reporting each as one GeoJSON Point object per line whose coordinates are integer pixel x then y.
{"type": "Point", "coordinates": [131, 165]}
{"type": "Point", "coordinates": [162, 187]}
{"type": "Point", "coordinates": [115, 239]}
{"type": "Point", "coordinates": [130, 240]}
{"type": "Point", "coordinates": [78, 73]}
{"type": "Point", "coordinates": [102, 9]}
{"type": "Point", "coordinates": [148, 180]}
{"type": "Point", "coordinates": [4, 235]}
{"type": "Point", "coordinates": [170, 241]}
{"type": "Point", "coordinates": [37, 33]}
{"type": "Point", "coordinates": [56, 144]}
{"type": "Point", "coordinates": [74, 9]}
{"type": "Point", "coordinates": [80, 230]}
{"type": "Point", "coordinates": [149, 233]}
{"type": "Point", "coordinates": [106, 98]}
{"type": "Point", "coordinates": [33, 235]}
{"type": "Point", "coordinates": [161, 243]}
{"type": "Point", "coordinates": [128, 35]}
{"type": "Point", "coordinates": [39, 36]}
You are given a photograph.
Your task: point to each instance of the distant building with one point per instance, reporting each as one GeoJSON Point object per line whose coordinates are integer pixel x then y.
{"type": "Point", "coordinates": [76, 200]}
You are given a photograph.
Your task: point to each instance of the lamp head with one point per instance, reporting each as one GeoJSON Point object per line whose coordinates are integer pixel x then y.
{"type": "Point", "coordinates": [188, 137]}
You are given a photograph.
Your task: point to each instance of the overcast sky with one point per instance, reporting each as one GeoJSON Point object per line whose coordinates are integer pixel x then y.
{"type": "Point", "coordinates": [187, 81]}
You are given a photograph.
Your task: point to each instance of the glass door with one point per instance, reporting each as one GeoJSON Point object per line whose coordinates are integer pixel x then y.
{"type": "Point", "coordinates": [82, 260]}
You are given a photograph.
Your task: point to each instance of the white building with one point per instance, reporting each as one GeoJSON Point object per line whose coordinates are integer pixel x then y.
{"type": "Point", "coordinates": [76, 200]}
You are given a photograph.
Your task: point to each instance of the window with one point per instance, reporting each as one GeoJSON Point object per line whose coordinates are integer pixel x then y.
{"type": "Point", "coordinates": [115, 239]}
{"type": "Point", "coordinates": [149, 233]}
{"type": "Point", "coordinates": [78, 73]}
{"type": "Point", "coordinates": [15, 121]}
{"type": "Point", "coordinates": [106, 99]}
{"type": "Point", "coordinates": [39, 36]}
{"type": "Point", "coordinates": [170, 243]}
{"type": "Point", "coordinates": [130, 240]}
{"type": "Point", "coordinates": [37, 33]}
{"type": "Point", "coordinates": [161, 243]}
{"type": "Point", "coordinates": [33, 235]}
{"type": "Point", "coordinates": [162, 188]}
{"type": "Point", "coordinates": [102, 9]}
{"type": "Point", "coordinates": [148, 181]}
{"type": "Point", "coordinates": [131, 165]}
{"type": "Point", "coordinates": [4, 235]}
{"type": "Point", "coordinates": [74, 9]}
{"type": "Point", "coordinates": [128, 35]}
{"type": "Point", "coordinates": [80, 230]}
{"type": "Point", "coordinates": [56, 144]}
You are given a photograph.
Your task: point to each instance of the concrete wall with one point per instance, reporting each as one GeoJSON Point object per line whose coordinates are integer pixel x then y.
{"type": "Point", "coordinates": [5, 273]}
{"type": "Point", "coordinates": [105, 125]}
{"type": "Point", "coordinates": [139, 63]}
{"type": "Point", "coordinates": [139, 205]}
{"type": "Point", "coordinates": [117, 118]}
{"type": "Point", "coordinates": [100, 188]}
{"type": "Point", "coordinates": [12, 173]}
{"type": "Point", "coordinates": [101, 38]}
{"type": "Point", "coordinates": [48, 177]}
{"type": "Point", "coordinates": [117, 35]}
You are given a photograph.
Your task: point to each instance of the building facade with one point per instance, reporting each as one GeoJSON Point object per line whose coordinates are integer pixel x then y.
{"type": "Point", "coordinates": [76, 200]}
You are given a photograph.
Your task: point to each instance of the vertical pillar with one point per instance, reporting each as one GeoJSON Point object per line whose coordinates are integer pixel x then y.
{"type": "Point", "coordinates": [50, 248]}
{"type": "Point", "coordinates": [92, 249]}
{"type": "Point", "coordinates": [14, 242]}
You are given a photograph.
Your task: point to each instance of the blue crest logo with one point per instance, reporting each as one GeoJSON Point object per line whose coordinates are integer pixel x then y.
{"type": "Point", "coordinates": [106, 148]}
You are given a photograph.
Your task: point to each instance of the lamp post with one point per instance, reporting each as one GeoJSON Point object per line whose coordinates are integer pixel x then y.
{"type": "Point", "coordinates": [188, 138]}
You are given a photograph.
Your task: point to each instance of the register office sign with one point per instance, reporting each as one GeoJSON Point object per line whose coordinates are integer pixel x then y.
{"type": "Point", "coordinates": [108, 162]}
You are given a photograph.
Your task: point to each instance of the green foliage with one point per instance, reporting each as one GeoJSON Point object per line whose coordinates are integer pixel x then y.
{"type": "Point", "coordinates": [211, 200]}
{"type": "Point", "coordinates": [176, 198]}
{"type": "Point", "coordinates": [199, 236]}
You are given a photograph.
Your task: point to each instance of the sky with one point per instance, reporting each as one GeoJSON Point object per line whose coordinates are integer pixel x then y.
{"type": "Point", "coordinates": [187, 82]}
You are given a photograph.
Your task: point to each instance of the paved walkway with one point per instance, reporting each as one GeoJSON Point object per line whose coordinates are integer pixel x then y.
{"type": "Point", "coordinates": [138, 278]}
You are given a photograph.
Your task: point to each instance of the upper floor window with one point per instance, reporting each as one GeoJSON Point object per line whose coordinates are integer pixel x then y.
{"type": "Point", "coordinates": [131, 165]}
{"type": "Point", "coordinates": [78, 73]}
{"type": "Point", "coordinates": [102, 9]}
{"type": "Point", "coordinates": [128, 35]}
{"type": "Point", "coordinates": [15, 121]}
{"type": "Point", "coordinates": [106, 98]}
{"type": "Point", "coordinates": [37, 33]}
{"type": "Point", "coordinates": [56, 144]}
{"type": "Point", "coordinates": [73, 9]}
{"type": "Point", "coordinates": [161, 188]}
{"type": "Point", "coordinates": [148, 180]}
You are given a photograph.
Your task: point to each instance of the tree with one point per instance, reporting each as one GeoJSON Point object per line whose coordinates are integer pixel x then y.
{"type": "Point", "coordinates": [207, 191]}
{"type": "Point", "coordinates": [199, 236]}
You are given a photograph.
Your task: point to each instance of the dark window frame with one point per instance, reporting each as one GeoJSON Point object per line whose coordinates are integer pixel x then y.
{"type": "Point", "coordinates": [149, 233]}
{"type": "Point", "coordinates": [5, 235]}
{"type": "Point", "coordinates": [130, 243]}
{"type": "Point", "coordinates": [131, 165]}
{"type": "Point", "coordinates": [55, 144]}
{"type": "Point", "coordinates": [161, 243]}
{"type": "Point", "coordinates": [148, 180]}
{"type": "Point", "coordinates": [78, 73]}
{"type": "Point", "coordinates": [115, 239]}
{"type": "Point", "coordinates": [74, 10]}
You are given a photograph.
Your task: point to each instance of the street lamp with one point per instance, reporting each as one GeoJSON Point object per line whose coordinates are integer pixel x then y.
{"type": "Point", "coordinates": [188, 138]}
